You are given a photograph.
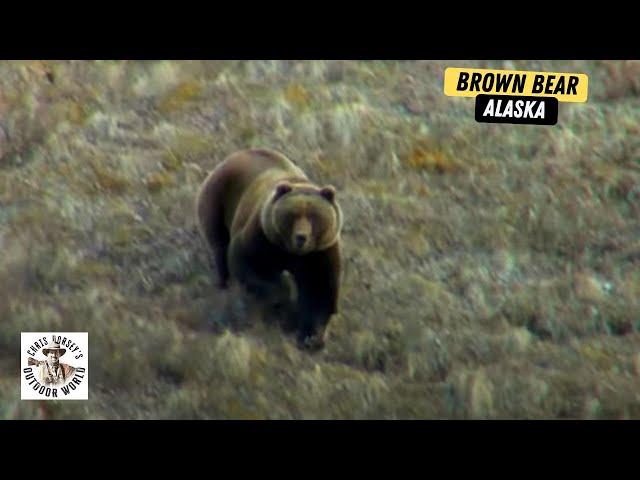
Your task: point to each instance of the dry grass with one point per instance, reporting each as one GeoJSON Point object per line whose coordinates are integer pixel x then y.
{"type": "Point", "coordinates": [491, 270]}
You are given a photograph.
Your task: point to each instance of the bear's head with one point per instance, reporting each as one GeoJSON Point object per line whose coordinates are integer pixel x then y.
{"type": "Point", "coordinates": [302, 217]}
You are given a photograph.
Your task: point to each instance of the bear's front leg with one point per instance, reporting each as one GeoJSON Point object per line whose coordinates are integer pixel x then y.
{"type": "Point", "coordinates": [317, 278]}
{"type": "Point", "coordinates": [261, 275]}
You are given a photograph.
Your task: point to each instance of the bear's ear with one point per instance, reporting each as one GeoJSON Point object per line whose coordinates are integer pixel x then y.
{"type": "Point", "coordinates": [281, 189]}
{"type": "Point", "coordinates": [328, 192]}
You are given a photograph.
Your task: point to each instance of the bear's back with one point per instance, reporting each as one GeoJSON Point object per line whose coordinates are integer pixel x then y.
{"type": "Point", "coordinates": [253, 162]}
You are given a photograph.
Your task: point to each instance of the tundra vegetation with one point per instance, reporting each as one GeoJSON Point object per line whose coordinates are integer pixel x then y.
{"type": "Point", "coordinates": [491, 270]}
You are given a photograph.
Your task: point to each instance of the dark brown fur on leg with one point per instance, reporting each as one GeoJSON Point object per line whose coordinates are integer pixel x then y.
{"type": "Point", "coordinates": [211, 223]}
{"type": "Point", "coordinates": [318, 282]}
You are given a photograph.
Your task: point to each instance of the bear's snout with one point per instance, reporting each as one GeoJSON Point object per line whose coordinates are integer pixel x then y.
{"type": "Point", "coordinates": [301, 234]}
{"type": "Point", "coordinates": [301, 239]}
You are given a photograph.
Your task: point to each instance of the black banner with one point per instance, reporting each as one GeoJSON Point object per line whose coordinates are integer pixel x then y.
{"type": "Point", "coordinates": [516, 109]}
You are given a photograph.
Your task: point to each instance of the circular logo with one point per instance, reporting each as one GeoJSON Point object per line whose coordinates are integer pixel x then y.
{"type": "Point", "coordinates": [54, 366]}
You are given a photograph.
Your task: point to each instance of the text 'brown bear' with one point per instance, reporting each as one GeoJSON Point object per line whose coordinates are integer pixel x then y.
{"type": "Point", "coordinates": [262, 217]}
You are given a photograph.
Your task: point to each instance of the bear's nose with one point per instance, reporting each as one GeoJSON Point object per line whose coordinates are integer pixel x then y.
{"type": "Point", "coordinates": [300, 240]}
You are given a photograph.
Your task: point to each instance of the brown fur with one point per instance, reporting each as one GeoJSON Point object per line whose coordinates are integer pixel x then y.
{"type": "Point", "coordinates": [262, 216]}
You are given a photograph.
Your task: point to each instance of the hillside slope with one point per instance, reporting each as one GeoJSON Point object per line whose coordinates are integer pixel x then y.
{"type": "Point", "coordinates": [491, 271]}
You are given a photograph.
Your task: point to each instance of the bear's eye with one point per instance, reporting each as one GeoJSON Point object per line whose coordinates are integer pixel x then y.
{"type": "Point", "coordinates": [289, 220]}
{"type": "Point", "coordinates": [316, 220]}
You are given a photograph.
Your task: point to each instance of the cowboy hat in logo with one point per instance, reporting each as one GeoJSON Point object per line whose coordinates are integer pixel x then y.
{"type": "Point", "coordinates": [52, 372]}
{"type": "Point", "coordinates": [46, 375]}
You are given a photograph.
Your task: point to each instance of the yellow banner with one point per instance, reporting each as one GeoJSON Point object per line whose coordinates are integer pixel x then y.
{"type": "Point", "coordinates": [469, 82]}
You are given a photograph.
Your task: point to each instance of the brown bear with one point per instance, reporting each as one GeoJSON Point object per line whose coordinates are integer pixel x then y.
{"type": "Point", "coordinates": [262, 217]}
